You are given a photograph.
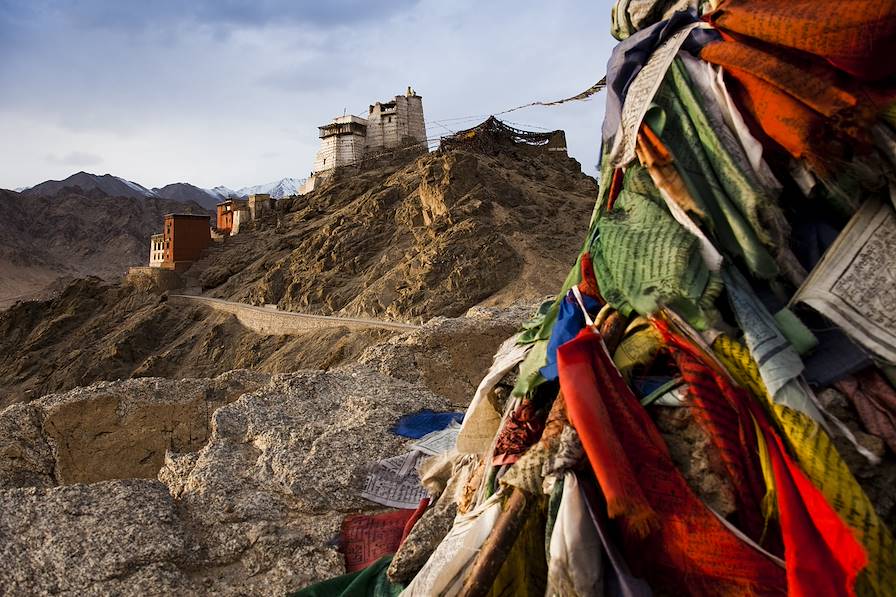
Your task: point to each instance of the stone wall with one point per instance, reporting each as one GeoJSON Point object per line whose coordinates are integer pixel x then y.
{"type": "Point", "coordinates": [268, 321]}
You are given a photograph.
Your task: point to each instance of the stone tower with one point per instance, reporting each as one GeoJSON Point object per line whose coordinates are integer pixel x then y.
{"type": "Point", "coordinates": [396, 123]}
{"type": "Point", "coordinates": [341, 142]}
{"type": "Point", "coordinates": [389, 125]}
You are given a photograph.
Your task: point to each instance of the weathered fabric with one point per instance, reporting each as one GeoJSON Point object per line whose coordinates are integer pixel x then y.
{"type": "Point", "coordinates": [443, 571]}
{"type": "Point", "coordinates": [654, 156]}
{"type": "Point", "coordinates": [575, 567]}
{"type": "Point", "coordinates": [556, 452]}
{"type": "Point", "coordinates": [524, 571]}
{"type": "Point", "coordinates": [570, 319]}
{"type": "Point", "coordinates": [854, 36]}
{"type": "Point", "coordinates": [638, 348]}
{"type": "Point", "coordinates": [800, 102]}
{"type": "Point", "coordinates": [629, 58]}
{"type": "Point", "coordinates": [416, 425]}
{"type": "Point", "coordinates": [630, 16]}
{"type": "Point", "coordinates": [713, 88]}
{"type": "Point", "coordinates": [521, 430]}
{"type": "Point", "coordinates": [822, 463]}
{"type": "Point", "coordinates": [741, 217]}
{"type": "Point", "coordinates": [368, 537]}
{"type": "Point", "coordinates": [644, 259]}
{"type": "Point", "coordinates": [781, 365]}
{"type": "Point", "coordinates": [669, 535]}
{"type": "Point", "coordinates": [821, 554]}
{"type": "Point", "coordinates": [727, 421]}
{"type": "Point", "coordinates": [875, 401]}
{"type": "Point", "coordinates": [481, 421]}
{"type": "Point", "coordinates": [618, 578]}
{"type": "Point", "coordinates": [369, 582]}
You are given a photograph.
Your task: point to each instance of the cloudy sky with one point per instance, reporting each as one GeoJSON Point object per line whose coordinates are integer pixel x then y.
{"type": "Point", "coordinates": [231, 91]}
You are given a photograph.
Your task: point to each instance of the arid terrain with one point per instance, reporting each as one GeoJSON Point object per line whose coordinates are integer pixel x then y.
{"type": "Point", "coordinates": [53, 238]}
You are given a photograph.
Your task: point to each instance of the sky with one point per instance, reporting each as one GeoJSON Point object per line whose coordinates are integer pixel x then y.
{"type": "Point", "coordinates": [231, 92]}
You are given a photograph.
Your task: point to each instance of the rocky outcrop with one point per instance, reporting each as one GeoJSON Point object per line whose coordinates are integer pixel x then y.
{"type": "Point", "coordinates": [448, 355]}
{"type": "Point", "coordinates": [112, 538]}
{"type": "Point", "coordinates": [96, 331]}
{"type": "Point", "coordinates": [256, 510]}
{"type": "Point", "coordinates": [111, 430]}
{"type": "Point", "coordinates": [432, 237]}
{"type": "Point", "coordinates": [255, 472]}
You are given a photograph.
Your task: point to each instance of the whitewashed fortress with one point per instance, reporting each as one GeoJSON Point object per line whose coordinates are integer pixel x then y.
{"type": "Point", "coordinates": [389, 125]}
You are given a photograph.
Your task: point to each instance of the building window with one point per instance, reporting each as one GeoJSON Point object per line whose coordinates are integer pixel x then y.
{"type": "Point", "coordinates": [389, 119]}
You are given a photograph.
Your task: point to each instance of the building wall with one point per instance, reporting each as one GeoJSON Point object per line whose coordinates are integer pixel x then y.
{"type": "Point", "coordinates": [388, 125]}
{"type": "Point", "coordinates": [259, 205]}
{"type": "Point", "coordinates": [396, 123]}
{"type": "Point", "coordinates": [156, 250]}
{"type": "Point", "coordinates": [240, 217]}
{"type": "Point", "coordinates": [186, 237]}
{"type": "Point", "coordinates": [415, 120]}
{"type": "Point", "coordinates": [153, 279]}
{"type": "Point", "coordinates": [339, 150]}
{"type": "Point", "coordinates": [225, 219]}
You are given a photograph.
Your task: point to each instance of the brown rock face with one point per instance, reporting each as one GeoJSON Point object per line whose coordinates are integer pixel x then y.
{"type": "Point", "coordinates": [415, 240]}
{"type": "Point", "coordinates": [116, 430]}
{"type": "Point", "coordinates": [95, 331]}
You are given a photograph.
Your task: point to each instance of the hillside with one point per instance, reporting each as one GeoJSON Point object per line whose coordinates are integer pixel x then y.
{"type": "Point", "coordinates": [72, 233]}
{"type": "Point", "coordinates": [432, 237]}
{"type": "Point", "coordinates": [402, 240]}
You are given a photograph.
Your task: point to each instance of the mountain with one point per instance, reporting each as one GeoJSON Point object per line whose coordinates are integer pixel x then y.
{"type": "Point", "coordinates": [75, 233]}
{"type": "Point", "coordinates": [223, 192]}
{"type": "Point", "coordinates": [183, 191]}
{"type": "Point", "coordinates": [115, 186]}
{"type": "Point", "coordinates": [278, 189]}
{"type": "Point", "coordinates": [112, 186]}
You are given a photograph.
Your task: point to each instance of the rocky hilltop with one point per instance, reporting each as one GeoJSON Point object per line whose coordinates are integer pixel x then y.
{"type": "Point", "coordinates": [414, 240]}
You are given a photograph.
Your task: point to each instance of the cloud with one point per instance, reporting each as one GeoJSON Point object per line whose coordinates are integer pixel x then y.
{"type": "Point", "coordinates": [146, 15]}
{"type": "Point", "coordinates": [74, 158]}
{"type": "Point", "coordinates": [232, 93]}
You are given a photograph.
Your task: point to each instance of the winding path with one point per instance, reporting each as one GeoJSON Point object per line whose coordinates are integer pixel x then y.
{"type": "Point", "coordinates": [273, 322]}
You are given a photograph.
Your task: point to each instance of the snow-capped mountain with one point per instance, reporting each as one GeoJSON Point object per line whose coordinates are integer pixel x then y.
{"type": "Point", "coordinates": [184, 191]}
{"type": "Point", "coordinates": [115, 186]}
{"type": "Point", "coordinates": [277, 189]}
{"type": "Point", "coordinates": [222, 192]}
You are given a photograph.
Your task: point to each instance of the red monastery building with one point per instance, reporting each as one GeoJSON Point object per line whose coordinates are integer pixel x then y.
{"type": "Point", "coordinates": [185, 237]}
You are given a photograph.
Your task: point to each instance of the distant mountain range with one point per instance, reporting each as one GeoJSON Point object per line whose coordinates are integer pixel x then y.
{"type": "Point", "coordinates": [115, 186]}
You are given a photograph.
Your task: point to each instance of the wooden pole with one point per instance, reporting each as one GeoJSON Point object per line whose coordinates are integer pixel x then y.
{"type": "Point", "coordinates": [497, 547]}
